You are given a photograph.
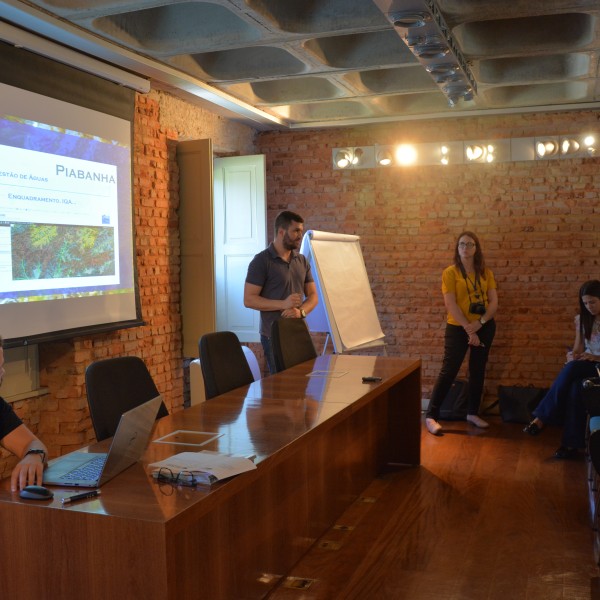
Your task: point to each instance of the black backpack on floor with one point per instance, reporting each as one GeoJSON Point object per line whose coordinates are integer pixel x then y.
{"type": "Point", "coordinates": [454, 407]}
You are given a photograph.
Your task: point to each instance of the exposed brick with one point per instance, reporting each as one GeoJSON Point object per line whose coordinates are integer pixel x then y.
{"type": "Point", "coordinates": [538, 222]}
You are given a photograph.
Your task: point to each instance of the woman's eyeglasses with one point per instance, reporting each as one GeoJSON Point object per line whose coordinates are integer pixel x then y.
{"type": "Point", "coordinates": [466, 245]}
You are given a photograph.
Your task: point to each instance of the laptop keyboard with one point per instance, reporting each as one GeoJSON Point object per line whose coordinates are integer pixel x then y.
{"type": "Point", "coordinates": [89, 471]}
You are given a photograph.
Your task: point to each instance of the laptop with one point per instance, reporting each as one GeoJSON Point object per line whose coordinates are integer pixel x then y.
{"type": "Point", "coordinates": [87, 469]}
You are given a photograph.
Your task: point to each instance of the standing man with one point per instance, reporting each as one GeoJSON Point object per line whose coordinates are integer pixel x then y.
{"type": "Point", "coordinates": [19, 440]}
{"type": "Point", "coordinates": [279, 282]}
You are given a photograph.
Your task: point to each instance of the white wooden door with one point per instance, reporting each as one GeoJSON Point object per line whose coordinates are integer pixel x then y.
{"type": "Point", "coordinates": [239, 229]}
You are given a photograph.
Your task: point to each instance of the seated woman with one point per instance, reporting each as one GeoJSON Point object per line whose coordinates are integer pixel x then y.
{"type": "Point", "coordinates": [563, 404]}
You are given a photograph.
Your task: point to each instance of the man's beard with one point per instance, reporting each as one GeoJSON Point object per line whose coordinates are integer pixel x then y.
{"type": "Point", "coordinates": [288, 244]}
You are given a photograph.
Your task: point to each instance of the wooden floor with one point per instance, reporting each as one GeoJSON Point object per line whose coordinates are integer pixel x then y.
{"type": "Point", "coordinates": [489, 515]}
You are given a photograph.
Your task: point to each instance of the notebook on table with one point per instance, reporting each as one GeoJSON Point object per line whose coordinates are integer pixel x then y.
{"type": "Point", "coordinates": [87, 469]}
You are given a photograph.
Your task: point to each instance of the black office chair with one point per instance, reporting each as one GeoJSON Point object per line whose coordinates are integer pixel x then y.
{"type": "Point", "coordinates": [114, 386]}
{"type": "Point", "coordinates": [223, 363]}
{"type": "Point", "coordinates": [291, 343]}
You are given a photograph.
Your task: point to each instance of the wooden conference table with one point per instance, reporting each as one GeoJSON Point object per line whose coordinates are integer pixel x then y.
{"type": "Point", "coordinates": [319, 440]}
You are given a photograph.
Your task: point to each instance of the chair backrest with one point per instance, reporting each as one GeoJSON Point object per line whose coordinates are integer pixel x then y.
{"type": "Point", "coordinates": [223, 362]}
{"type": "Point", "coordinates": [291, 343]}
{"type": "Point", "coordinates": [593, 442]}
{"type": "Point", "coordinates": [197, 393]}
{"type": "Point", "coordinates": [114, 386]}
{"type": "Point", "coordinates": [252, 363]}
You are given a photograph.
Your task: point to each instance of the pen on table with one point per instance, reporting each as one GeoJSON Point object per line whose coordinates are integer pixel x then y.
{"type": "Point", "coordinates": [82, 496]}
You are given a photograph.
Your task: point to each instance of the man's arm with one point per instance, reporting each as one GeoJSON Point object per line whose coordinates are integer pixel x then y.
{"type": "Point", "coordinates": [312, 297]}
{"type": "Point", "coordinates": [30, 468]}
{"type": "Point", "coordinates": [310, 301]}
{"type": "Point", "coordinates": [253, 299]}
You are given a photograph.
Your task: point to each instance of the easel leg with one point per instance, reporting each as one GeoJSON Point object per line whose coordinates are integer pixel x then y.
{"type": "Point", "coordinates": [325, 344]}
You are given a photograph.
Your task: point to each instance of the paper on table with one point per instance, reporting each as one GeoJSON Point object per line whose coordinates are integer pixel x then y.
{"type": "Point", "coordinates": [327, 374]}
{"type": "Point", "coordinates": [216, 466]}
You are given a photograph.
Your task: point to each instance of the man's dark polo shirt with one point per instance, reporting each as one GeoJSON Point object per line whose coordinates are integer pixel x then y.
{"type": "Point", "coordinates": [278, 279]}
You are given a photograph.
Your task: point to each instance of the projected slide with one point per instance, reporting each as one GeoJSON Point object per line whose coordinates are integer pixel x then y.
{"type": "Point", "coordinates": [61, 213]}
{"type": "Point", "coordinates": [66, 229]}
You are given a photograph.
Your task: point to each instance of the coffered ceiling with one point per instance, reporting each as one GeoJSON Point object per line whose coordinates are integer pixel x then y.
{"type": "Point", "coordinates": [318, 63]}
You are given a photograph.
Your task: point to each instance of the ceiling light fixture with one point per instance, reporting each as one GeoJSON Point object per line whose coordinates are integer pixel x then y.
{"type": "Point", "coordinates": [429, 38]}
{"type": "Point", "coordinates": [432, 48]}
{"type": "Point", "coordinates": [362, 157]}
{"type": "Point", "coordinates": [343, 159]}
{"type": "Point", "coordinates": [410, 19]}
{"type": "Point", "coordinates": [568, 146]}
{"type": "Point", "coordinates": [456, 91]}
{"type": "Point", "coordinates": [546, 148]}
{"type": "Point", "coordinates": [474, 152]}
{"type": "Point", "coordinates": [384, 157]}
{"type": "Point", "coordinates": [441, 70]}
{"type": "Point", "coordinates": [445, 152]}
{"type": "Point", "coordinates": [442, 73]}
{"type": "Point", "coordinates": [357, 156]}
{"type": "Point", "coordinates": [447, 78]}
{"type": "Point", "coordinates": [468, 94]}
{"type": "Point", "coordinates": [406, 154]}
{"type": "Point", "coordinates": [557, 147]}
{"type": "Point", "coordinates": [480, 152]}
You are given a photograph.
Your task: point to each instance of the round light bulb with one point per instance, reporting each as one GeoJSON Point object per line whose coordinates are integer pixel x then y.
{"type": "Point", "coordinates": [342, 159]}
{"type": "Point", "coordinates": [474, 152]}
{"type": "Point", "coordinates": [406, 154]}
{"type": "Point", "coordinates": [540, 149]}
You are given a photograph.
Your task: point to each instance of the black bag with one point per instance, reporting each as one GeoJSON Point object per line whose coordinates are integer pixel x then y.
{"type": "Point", "coordinates": [517, 402]}
{"type": "Point", "coordinates": [454, 407]}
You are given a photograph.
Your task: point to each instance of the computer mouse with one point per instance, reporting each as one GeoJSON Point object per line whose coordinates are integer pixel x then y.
{"type": "Point", "coordinates": [36, 492]}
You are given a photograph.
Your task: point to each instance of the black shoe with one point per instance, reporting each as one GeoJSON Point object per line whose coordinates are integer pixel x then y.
{"type": "Point", "coordinates": [567, 453]}
{"type": "Point", "coordinates": [532, 428]}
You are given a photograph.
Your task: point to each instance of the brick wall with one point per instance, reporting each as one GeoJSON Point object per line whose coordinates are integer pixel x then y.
{"type": "Point", "coordinates": [538, 223]}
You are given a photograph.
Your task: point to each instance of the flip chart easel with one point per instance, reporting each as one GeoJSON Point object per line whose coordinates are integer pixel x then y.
{"type": "Point", "coordinates": [346, 310]}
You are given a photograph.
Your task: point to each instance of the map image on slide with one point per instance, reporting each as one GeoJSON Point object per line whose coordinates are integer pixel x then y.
{"type": "Point", "coordinates": [58, 251]}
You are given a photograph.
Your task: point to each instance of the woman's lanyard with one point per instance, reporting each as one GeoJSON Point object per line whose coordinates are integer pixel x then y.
{"type": "Point", "coordinates": [474, 284]}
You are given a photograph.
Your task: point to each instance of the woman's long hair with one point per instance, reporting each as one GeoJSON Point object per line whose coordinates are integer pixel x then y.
{"type": "Point", "coordinates": [586, 319]}
{"type": "Point", "coordinates": [478, 260]}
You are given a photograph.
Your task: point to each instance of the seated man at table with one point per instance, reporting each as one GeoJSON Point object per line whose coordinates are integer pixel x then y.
{"type": "Point", "coordinates": [18, 439]}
